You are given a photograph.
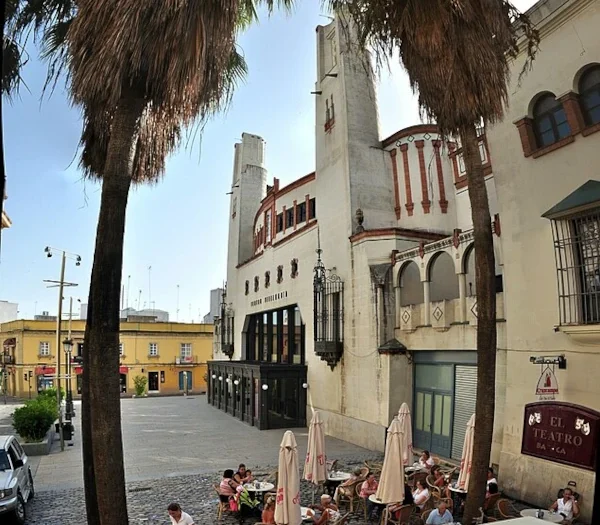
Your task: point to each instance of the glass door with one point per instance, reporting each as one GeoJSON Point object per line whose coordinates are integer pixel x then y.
{"type": "Point", "coordinates": [423, 417]}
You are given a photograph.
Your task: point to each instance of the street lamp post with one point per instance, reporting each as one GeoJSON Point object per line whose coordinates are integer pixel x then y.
{"type": "Point", "coordinates": [60, 284]}
{"type": "Point", "coordinates": [68, 348]}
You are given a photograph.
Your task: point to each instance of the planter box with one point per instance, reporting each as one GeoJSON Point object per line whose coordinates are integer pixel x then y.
{"type": "Point", "coordinates": [39, 449]}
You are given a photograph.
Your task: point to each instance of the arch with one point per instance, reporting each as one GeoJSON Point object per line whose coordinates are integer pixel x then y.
{"type": "Point", "coordinates": [443, 281]}
{"type": "Point", "coordinates": [589, 94]}
{"type": "Point", "coordinates": [581, 72]}
{"type": "Point", "coordinates": [533, 102]}
{"type": "Point", "coordinates": [550, 122]}
{"type": "Point", "coordinates": [409, 280]}
{"type": "Point", "coordinates": [468, 268]}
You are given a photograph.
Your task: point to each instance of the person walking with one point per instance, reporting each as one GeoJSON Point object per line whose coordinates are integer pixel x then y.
{"type": "Point", "coordinates": [178, 517]}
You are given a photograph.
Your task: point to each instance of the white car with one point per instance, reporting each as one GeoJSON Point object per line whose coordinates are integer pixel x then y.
{"type": "Point", "coordinates": [16, 481]}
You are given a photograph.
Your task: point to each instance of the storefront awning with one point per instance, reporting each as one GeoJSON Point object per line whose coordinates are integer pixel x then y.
{"type": "Point", "coordinates": [45, 371]}
{"type": "Point", "coordinates": [122, 370]}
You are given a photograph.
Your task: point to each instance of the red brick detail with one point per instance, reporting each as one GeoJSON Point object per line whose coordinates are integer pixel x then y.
{"type": "Point", "coordinates": [456, 237]}
{"type": "Point", "coordinates": [527, 136]}
{"type": "Point", "coordinates": [591, 129]}
{"type": "Point", "coordinates": [570, 103]}
{"type": "Point", "coordinates": [398, 207]}
{"type": "Point", "coordinates": [440, 173]}
{"type": "Point", "coordinates": [265, 226]}
{"type": "Point", "coordinates": [410, 205]}
{"type": "Point", "coordinates": [553, 147]}
{"type": "Point", "coordinates": [295, 212]}
{"type": "Point", "coordinates": [307, 206]}
{"type": "Point", "coordinates": [424, 190]}
{"type": "Point", "coordinates": [453, 156]}
{"type": "Point", "coordinates": [274, 220]}
{"type": "Point", "coordinates": [284, 219]}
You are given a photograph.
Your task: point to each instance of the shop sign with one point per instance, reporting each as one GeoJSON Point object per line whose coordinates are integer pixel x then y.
{"type": "Point", "coordinates": [547, 386]}
{"type": "Point", "coordinates": [561, 432]}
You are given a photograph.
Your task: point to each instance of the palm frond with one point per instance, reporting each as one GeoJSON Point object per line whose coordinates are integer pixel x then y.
{"type": "Point", "coordinates": [13, 60]}
{"type": "Point", "coordinates": [456, 52]}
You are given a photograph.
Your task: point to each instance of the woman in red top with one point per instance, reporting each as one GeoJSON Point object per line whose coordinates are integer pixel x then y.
{"type": "Point", "coordinates": [268, 513]}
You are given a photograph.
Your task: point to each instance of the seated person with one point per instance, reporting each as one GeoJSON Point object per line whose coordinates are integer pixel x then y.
{"type": "Point", "coordinates": [425, 460]}
{"type": "Point", "coordinates": [492, 489]}
{"type": "Point", "coordinates": [566, 506]}
{"type": "Point", "coordinates": [421, 494]}
{"type": "Point", "coordinates": [343, 488]}
{"type": "Point", "coordinates": [440, 516]}
{"type": "Point", "coordinates": [268, 513]}
{"type": "Point", "coordinates": [491, 478]}
{"type": "Point", "coordinates": [440, 482]}
{"type": "Point", "coordinates": [408, 496]}
{"type": "Point", "coordinates": [228, 487]}
{"type": "Point", "coordinates": [242, 475]}
{"type": "Point", "coordinates": [368, 487]}
{"type": "Point", "coordinates": [326, 511]}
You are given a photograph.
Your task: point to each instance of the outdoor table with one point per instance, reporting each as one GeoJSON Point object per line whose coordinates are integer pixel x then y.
{"type": "Point", "coordinates": [548, 515]}
{"type": "Point", "coordinates": [338, 476]}
{"type": "Point", "coordinates": [458, 496]}
{"type": "Point", "coordinates": [415, 468]}
{"type": "Point", "coordinates": [304, 513]}
{"type": "Point", "coordinates": [261, 489]}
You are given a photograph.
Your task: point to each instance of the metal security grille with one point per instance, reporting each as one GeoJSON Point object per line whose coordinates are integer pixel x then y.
{"type": "Point", "coordinates": [577, 251]}
{"type": "Point", "coordinates": [465, 393]}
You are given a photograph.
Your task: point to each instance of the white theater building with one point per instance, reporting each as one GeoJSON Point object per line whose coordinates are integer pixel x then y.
{"type": "Point", "coordinates": [386, 312]}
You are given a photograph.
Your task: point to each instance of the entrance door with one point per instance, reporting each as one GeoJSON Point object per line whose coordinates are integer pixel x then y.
{"type": "Point", "coordinates": [185, 381]}
{"type": "Point", "coordinates": [152, 381]}
{"type": "Point", "coordinates": [433, 416]}
{"type": "Point", "coordinates": [123, 383]}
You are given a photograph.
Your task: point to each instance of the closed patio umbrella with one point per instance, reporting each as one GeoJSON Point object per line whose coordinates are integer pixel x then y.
{"type": "Point", "coordinates": [315, 469]}
{"type": "Point", "coordinates": [467, 456]}
{"type": "Point", "coordinates": [287, 504]}
{"type": "Point", "coordinates": [406, 425]}
{"type": "Point", "coordinates": [391, 484]}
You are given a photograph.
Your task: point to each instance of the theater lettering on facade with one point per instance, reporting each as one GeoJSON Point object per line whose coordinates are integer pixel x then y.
{"type": "Point", "coordinates": [561, 432]}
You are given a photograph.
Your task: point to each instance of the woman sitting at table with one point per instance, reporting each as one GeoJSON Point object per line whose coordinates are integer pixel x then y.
{"type": "Point", "coordinates": [567, 506]}
{"type": "Point", "coordinates": [440, 482]}
{"type": "Point", "coordinates": [228, 489]}
{"type": "Point", "coordinates": [268, 513]}
{"type": "Point", "coordinates": [346, 489]}
{"type": "Point", "coordinates": [326, 511]}
{"type": "Point", "coordinates": [368, 487]}
{"type": "Point", "coordinates": [242, 475]}
{"type": "Point", "coordinates": [425, 460]}
{"type": "Point", "coordinates": [421, 494]}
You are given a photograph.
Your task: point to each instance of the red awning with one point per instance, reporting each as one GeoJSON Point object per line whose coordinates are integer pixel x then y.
{"type": "Point", "coordinates": [45, 371]}
{"type": "Point", "coordinates": [122, 370]}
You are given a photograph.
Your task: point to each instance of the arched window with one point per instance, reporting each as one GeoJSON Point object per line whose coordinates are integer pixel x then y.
{"type": "Point", "coordinates": [550, 121]}
{"type": "Point", "coordinates": [589, 95]}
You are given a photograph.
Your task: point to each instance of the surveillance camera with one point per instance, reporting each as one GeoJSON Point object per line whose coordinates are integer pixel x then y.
{"type": "Point", "coordinates": [78, 263]}
{"type": "Point", "coordinates": [532, 359]}
{"type": "Point", "coordinates": [49, 254]}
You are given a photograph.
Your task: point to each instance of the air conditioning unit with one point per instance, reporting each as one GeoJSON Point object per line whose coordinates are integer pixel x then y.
{"type": "Point", "coordinates": [177, 360]}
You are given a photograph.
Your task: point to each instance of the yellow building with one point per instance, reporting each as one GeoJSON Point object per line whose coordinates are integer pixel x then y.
{"type": "Point", "coordinates": [172, 356]}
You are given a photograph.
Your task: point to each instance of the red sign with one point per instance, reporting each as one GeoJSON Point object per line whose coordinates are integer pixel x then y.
{"type": "Point", "coordinates": [561, 432]}
{"type": "Point", "coordinates": [547, 386]}
{"type": "Point", "coordinates": [45, 371]}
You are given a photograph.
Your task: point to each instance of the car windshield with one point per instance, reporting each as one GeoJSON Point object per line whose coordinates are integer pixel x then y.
{"type": "Point", "coordinates": [4, 464]}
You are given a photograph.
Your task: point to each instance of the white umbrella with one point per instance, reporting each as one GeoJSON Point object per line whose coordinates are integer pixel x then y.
{"type": "Point", "coordinates": [467, 456]}
{"type": "Point", "coordinates": [315, 469]}
{"type": "Point", "coordinates": [391, 484]}
{"type": "Point", "coordinates": [405, 423]}
{"type": "Point", "coordinates": [287, 504]}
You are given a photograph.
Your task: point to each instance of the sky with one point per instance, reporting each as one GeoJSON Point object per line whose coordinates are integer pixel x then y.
{"type": "Point", "coordinates": [178, 227]}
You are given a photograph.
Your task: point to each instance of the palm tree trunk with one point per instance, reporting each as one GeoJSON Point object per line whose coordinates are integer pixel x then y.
{"type": "Point", "coordinates": [104, 473]}
{"type": "Point", "coordinates": [485, 281]}
{"type": "Point", "coordinates": [2, 163]}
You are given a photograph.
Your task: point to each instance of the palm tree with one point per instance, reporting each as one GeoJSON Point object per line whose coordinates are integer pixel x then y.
{"type": "Point", "coordinates": [142, 71]}
{"type": "Point", "coordinates": [456, 54]}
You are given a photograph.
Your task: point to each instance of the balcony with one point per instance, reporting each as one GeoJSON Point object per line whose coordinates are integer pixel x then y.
{"type": "Point", "coordinates": [445, 314]}
{"type": "Point", "coordinates": [186, 360]}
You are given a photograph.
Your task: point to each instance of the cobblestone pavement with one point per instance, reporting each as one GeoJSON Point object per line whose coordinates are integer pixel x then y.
{"type": "Point", "coordinates": [148, 500]}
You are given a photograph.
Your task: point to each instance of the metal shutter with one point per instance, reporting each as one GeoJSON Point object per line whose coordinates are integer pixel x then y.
{"type": "Point", "coordinates": [465, 393]}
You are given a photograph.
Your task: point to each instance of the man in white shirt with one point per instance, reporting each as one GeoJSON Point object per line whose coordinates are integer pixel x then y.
{"type": "Point", "coordinates": [178, 517]}
{"type": "Point", "coordinates": [567, 506]}
{"type": "Point", "coordinates": [490, 477]}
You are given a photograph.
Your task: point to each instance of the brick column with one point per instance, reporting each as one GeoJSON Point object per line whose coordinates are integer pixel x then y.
{"type": "Point", "coordinates": [440, 173]}
{"type": "Point", "coordinates": [410, 205]}
{"type": "Point", "coordinates": [424, 190]}
{"type": "Point", "coordinates": [570, 102]}
{"type": "Point", "coordinates": [527, 136]}
{"type": "Point", "coordinates": [398, 207]}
